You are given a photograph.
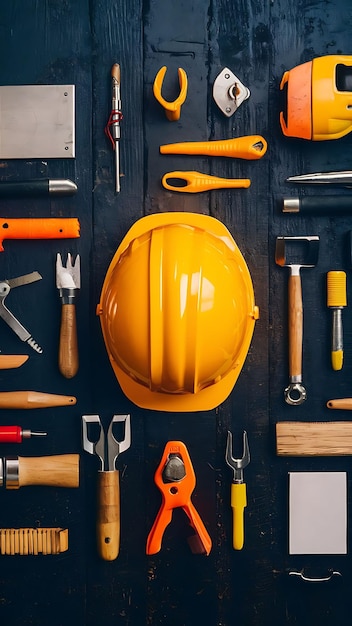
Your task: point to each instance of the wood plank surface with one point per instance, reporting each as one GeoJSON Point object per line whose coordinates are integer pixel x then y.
{"type": "Point", "coordinates": [77, 42]}
{"type": "Point", "coordinates": [313, 438]}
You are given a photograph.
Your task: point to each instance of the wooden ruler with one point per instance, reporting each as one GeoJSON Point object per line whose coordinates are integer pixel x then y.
{"type": "Point", "coordinates": [313, 438]}
{"type": "Point", "coordinates": [33, 540]}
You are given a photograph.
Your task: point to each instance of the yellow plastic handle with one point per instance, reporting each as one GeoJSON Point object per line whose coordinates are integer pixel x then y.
{"type": "Point", "coordinates": [193, 182]}
{"type": "Point", "coordinates": [238, 504]}
{"type": "Point", "coordinates": [250, 147]}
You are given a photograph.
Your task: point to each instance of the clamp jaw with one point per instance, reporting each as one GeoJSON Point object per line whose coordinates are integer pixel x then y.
{"type": "Point", "coordinates": [176, 480]}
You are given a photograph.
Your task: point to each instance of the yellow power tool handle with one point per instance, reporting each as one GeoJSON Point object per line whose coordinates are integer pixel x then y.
{"type": "Point", "coordinates": [238, 504]}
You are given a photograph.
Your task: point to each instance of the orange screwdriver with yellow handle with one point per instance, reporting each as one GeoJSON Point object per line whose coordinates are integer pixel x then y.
{"type": "Point", "coordinates": [193, 182]}
{"type": "Point", "coordinates": [250, 147]}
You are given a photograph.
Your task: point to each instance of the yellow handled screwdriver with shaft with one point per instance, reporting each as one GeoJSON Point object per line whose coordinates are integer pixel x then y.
{"type": "Point", "coordinates": [238, 489]}
{"type": "Point", "coordinates": [336, 300]}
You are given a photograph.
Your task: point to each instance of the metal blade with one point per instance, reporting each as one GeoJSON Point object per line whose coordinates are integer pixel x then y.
{"type": "Point", "coordinates": [337, 178]}
{"type": "Point", "coordinates": [26, 279]}
{"type": "Point", "coordinates": [69, 276]}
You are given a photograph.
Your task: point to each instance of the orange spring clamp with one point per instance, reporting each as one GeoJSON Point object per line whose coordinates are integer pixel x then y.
{"type": "Point", "coordinates": [176, 480]}
{"type": "Point", "coordinates": [172, 109]}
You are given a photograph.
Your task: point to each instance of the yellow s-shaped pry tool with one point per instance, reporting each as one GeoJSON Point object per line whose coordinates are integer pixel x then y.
{"type": "Point", "coordinates": [238, 489]}
{"type": "Point", "coordinates": [172, 109]}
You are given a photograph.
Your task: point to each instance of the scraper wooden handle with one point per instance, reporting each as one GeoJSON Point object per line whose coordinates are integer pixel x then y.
{"type": "Point", "coordinates": [33, 400]}
{"type": "Point", "coordinates": [108, 519]}
{"type": "Point", "coordinates": [68, 346]}
{"type": "Point", "coordinates": [295, 325]}
{"type": "Point", "coordinates": [60, 470]}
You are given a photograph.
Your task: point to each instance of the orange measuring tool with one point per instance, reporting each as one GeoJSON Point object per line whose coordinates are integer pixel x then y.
{"type": "Point", "coordinates": [38, 228]}
{"type": "Point", "coordinates": [176, 480]}
{"type": "Point", "coordinates": [250, 147]}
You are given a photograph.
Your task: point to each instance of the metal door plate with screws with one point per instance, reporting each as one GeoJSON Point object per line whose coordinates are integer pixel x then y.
{"type": "Point", "coordinates": [37, 122]}
{"type": "Point", "coordinates": [229, 92]}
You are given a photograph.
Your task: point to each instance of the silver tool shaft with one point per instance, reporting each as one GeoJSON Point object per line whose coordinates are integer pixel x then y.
{"type": "Point", "coordinates": [115, 119]}
{"type": "Point", "coordinates": [332, 178]}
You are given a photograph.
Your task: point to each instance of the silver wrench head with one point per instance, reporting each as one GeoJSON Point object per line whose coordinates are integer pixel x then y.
{"type": "Point", "coordinates": [93, 447]}
{"type": "Point", "coordinates": [237, 464]}
{"type": "Point", "coordinates": [116, 447]}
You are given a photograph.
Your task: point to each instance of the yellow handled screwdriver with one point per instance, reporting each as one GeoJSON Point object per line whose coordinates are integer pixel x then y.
{"type": "Point", "coordinates": [250, 147]}
{"type": "Point", "coordinates": [336, 300]}
{"type": "Point", "coordinates": [238, 489]}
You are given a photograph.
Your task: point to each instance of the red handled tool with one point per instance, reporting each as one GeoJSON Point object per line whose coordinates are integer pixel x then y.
{"type": "Point", "coordinates": [176, 480]}
{"type": "Point", "coordinates": [16, 434]}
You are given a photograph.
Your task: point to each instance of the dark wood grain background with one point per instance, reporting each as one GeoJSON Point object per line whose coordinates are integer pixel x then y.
{"type": "Point", "coordinates": [77, 42]}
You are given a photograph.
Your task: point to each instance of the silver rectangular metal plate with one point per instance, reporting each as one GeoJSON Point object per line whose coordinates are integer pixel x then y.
{"type": "Point", "coordinates": [37, 122]}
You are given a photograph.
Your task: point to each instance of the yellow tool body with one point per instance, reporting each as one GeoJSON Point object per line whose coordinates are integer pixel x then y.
{"type": "Point", "coordinates": [250, 147]}
{"type": "Point", "coordinates": [336, 300]}
{"type": "Point", "coordinates": [238, 504]}
{"type": "Point", "coordinates": [194, 182]}
{"type": "Point", "coordinates": [318, 99]}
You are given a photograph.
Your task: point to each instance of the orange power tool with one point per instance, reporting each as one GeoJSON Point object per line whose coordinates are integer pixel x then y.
{"type": "Point", "coordinates": [176, 480]}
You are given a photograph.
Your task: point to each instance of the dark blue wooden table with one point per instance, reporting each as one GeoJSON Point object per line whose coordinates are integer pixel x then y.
{"type": "Point", "coordinates": [77, 42]}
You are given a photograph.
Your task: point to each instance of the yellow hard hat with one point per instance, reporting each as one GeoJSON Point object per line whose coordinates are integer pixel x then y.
{"type": "Point", "coordinates": [177, 312]}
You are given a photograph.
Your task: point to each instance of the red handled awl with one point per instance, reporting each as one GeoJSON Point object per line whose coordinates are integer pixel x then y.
{"type": "Point", "coordinates": [16, 434]}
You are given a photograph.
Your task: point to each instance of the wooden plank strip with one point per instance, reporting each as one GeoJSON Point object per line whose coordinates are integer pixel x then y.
{"type": "Point", "coordinates": [313, 438]}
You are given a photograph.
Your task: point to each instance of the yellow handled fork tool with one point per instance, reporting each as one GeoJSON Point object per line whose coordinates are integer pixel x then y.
{"type": "Point", "coordinates": [107, 449]}
{"type": "Point", "coordinates": [238, 488]}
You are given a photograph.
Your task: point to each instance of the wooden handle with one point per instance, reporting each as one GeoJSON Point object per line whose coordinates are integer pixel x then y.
{"type": "Point", "coordinates": [116, 72]}
{"type": "Point", "coordinates": [9, 361]}
{"type": "Point", "coordinates": [68, 346]}
{"type": "Point", "coordinates": [108, 520]}
{"type": "Point", "coordinates": [33, 400]}
{"type": "Point", "coordinates": [340, 403]}
{"type": "Point", "coordinates": [61, 470]}
{"type": "Point", "coordinates": [295, 325]}
{"type": "Point", "coordinates": [313, 438]}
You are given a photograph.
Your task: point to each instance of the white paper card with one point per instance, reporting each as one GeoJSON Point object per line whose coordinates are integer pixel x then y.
{"type": "Point", "coordinates": [317, 513]}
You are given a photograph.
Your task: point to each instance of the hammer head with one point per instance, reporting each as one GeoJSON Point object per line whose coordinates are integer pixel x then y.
{"type": "Point", "coordinates": [298, 251]}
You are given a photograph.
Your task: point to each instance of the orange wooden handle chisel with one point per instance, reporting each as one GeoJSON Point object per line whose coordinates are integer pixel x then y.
{"type": "Point", "coordinates": [38, 228]}
{"type": "Point", "coordinates": [250, 147]}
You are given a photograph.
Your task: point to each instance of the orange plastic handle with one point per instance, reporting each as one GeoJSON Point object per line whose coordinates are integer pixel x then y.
{"type": "Point", "coordinates": [250, 147]}
{"type": "Point", "coordinates": [38, 228]}
{"type": "Point", "coordinates": [193, 182]}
